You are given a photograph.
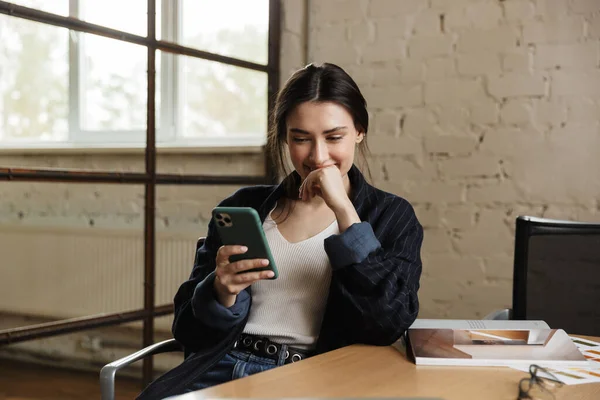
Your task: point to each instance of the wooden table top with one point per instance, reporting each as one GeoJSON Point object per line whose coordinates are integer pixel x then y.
{"type": "Point", "coordinates": [371, 371]}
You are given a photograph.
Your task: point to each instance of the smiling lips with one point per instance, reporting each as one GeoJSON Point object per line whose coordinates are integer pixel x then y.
{"type": "Point", "coordinates": [311, 169]}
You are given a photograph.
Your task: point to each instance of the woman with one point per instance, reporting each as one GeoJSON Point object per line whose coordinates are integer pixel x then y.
{"type": "Point", "coordinates": [348, 254]}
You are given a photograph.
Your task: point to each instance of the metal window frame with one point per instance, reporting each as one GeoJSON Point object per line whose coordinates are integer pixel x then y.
{"type": "Point", "coordinates": [149, 178]}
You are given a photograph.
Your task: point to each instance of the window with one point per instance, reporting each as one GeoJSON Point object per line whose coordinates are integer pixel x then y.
{"type": "Point", "coordinates": [63, 88]}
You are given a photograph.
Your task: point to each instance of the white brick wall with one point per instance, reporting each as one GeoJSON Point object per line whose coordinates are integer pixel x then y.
{"type": "Point", "coordinates": [500, 110]}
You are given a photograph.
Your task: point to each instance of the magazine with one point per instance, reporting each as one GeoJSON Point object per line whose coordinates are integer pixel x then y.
{"type": "Point", "coordinates": [491, 343]}
{"type": "Point", "coordinates": [578, 375]}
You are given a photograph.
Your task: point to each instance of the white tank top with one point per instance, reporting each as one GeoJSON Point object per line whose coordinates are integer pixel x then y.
{"type": "Point", "coordinates": [290, 309]}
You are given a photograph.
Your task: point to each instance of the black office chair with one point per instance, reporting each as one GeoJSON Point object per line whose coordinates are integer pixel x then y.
{"type": "Point", "coordinates": [109, 371]}
{"type": "Point", "coordinates": [556, 275]}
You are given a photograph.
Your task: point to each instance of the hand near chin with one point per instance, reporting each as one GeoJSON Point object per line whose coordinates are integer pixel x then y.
{"type": "Point", "coordinates": [328, 183]}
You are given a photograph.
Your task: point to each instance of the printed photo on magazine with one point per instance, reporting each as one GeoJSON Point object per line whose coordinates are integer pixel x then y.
{"type": "Point", "coordinates": [490, 347]}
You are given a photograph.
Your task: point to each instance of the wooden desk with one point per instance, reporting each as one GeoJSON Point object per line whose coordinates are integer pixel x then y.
{"type": "Point", "coordinates": [369, 371]}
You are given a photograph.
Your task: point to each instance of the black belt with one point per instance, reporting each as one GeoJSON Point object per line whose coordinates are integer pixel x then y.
{"type": "Point", "coordinates": [263, 347]}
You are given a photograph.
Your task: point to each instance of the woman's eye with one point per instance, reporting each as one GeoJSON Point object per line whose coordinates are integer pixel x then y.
{"type": "Point", "coordinates": [334, 138]}
{"type": "Point", "coordinates": [299, 140]}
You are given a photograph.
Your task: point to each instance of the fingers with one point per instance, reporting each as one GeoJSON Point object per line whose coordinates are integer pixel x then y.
{"type": "Point", "coordinates": [225, 252]}
{"type": "Point", "coordinates": [232, 278]}
{"type": "Point", "coordinates": [233, 284]}
{"type": "Point", "coordinates": [245, 265]}
{"type": "Point", "coordinates": [310, 188]}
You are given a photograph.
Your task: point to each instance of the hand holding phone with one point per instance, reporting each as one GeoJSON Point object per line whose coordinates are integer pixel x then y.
{"type": "Point", "coordinates": [233, 277]}
{"type": "Point", "coordinates": [245, 256]}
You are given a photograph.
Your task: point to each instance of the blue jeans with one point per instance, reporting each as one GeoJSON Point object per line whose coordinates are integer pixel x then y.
{"type": "Point", "coordinates": [236, 364]}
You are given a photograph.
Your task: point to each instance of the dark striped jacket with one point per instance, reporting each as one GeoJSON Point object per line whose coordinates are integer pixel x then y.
{"type": "Point", "coordinates": [376, 266]}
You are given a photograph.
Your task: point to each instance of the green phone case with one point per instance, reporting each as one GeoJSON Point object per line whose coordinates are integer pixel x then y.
{"type": "Point", "coordinates": [242, 226]}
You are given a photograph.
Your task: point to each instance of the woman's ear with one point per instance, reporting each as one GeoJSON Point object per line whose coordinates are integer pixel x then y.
{"type": "Point", "coordinates": [360, 137]}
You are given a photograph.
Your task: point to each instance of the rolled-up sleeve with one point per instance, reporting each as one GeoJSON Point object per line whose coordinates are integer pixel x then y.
{"type": "Point", "coordinates": [352, 246]}
{"type": "Point", "coordinates": [207, 308]}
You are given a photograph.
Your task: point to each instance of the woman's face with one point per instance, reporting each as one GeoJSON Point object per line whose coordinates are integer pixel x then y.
{"type": "Point", "coordinates": [321, 134]}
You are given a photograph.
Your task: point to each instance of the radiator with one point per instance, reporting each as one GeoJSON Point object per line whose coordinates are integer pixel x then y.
{"type": "Point", "coordinates": [72, 272]}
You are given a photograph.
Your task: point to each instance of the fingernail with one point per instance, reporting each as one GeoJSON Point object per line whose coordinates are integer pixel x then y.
{"type": "Point", "coordinates": [265, 262]}
{"type": "Point", "coordinates": [243, 248]}
{"type": "Point", "coordinates": [270, 274]}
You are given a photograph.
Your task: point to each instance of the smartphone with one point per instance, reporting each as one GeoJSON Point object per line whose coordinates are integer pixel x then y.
{"type": "Point", "coordinates": [241, 226]}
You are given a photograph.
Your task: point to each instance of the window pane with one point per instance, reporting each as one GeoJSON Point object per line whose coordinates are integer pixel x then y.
{"type": "Point", "coordinates": [60, 7]}
{"type": "Point", "coordinates": [35, 81]}
{"type": "Point", "coordinates": [128, 16]}
{"type": "Point", "coordinates": [114, 84]}
{"type": "Point", "coordinates": [222, 100]}
{"type": "Point", "coordinates": [234, 28]}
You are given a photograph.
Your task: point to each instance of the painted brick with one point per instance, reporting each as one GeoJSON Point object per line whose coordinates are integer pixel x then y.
{"type": "Point", "coordinates": [387, 123]}
{"type": "Point", "coordinates": [329, 36]}
{"type": "Point", "coordinates": [455, 268]}
{"type": "Point", "coordinates": [394, 96]}
{"type": "Point", "coordinates": [582, 109]}
{"type": "Point", "coordinates": [567, 83]}
{"type": "Point", "coordinates": [428, 216]}
{"type": "Point", "coordinates": [512, 142]}
{"type": "Point", "coordinates": [450, 145]}
{"type": "Point", "coordinates": [454, 115]}
{"type": "Point", "coordinates": [594, 27]}
{"type": "Point", "coordinates": [500, 266]}
{"type": "Point", "coordinates": [407, 71]}
{"type": "Point", "coordinates": [419, 122]}
{"type": "Point", "coordinates": [430, 46]}
{"type": "Point", "coordinates": [343, 54]}
{"type": "Point", "coordinates": [490, 237]}
{"type": "Point", "coordinates": [452, 90]}
{"type": "Point", "coordinates": [385, 50]}
{"type": "Point", "coordinates": [361, 33]}
{"type": "Point", "coordinates": [475, 165]}
{"type": "Point", "coordinates": [551, 113]}
{"type": "Point", "coordinates": [584, 6]}
{"type": "Point", "coordinates": [391, 8]}
{"type": "Point", "coordinates": [293, 16]}
{"type": "Point", "coordinates": [497, 39]}
{"type": "Point", "coordinates": [390, 28]}
{"type": "Point", "coordinates": [485, 112]}
{"type": "Point", "coordinates": [439, 68]}
{"type": "Point", "coordinates": [503, 192]}
{"type": "Point", "coordinates": [516, 112]}
{"type": "Point", "coordinates": [412, 71]}
{"type": "Point", "coordinates": [459, 217]}
{"type": "Point", "coordinates": [484, 14]}
{"type": "Point", "coordinates": [516, 61]}
{"type": "Point", "coordinates": [426, 23]}
{"type": "Point", "coordinates": [332, 11]}
{"type": "Point", "coordinates": [437, 241]}
{"type": "Point", "coordinates": [478, 64]}
{"type": "Point", "coordinates": [435, 192]}
{"type": "Point", "coordinates": [565, 30]}
{"type": "Point", "coordinates": [585, 55]}
{"type": "Point", "coordinates": [386, 145]}
{"type": "Point", "coordinates": [516, 85]}
{"type": "Point", "coordinates": [519, 10]}
{"type": "Point", "coordinates": [400, 169]}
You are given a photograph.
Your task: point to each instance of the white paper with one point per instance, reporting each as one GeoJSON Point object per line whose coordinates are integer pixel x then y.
{"type": "Point", "coordinates": [577, 375]}
{"type": "Point", "coordinates": [477, 324]}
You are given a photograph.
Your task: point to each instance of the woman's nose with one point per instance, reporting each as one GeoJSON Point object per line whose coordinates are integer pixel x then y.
{"type": "Point", "coordinates": [318, 154]}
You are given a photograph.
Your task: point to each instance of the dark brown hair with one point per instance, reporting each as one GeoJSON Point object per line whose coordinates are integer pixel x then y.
{"type": "Point", "coordinates": [324, 83]}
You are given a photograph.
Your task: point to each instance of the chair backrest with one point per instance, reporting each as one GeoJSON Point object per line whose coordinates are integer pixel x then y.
{"type": "Point", "coordinates": [557, 274]}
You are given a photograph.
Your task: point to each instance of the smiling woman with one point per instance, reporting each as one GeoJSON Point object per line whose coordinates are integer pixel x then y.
{"type": "Point", "coordinates": [348, 254]}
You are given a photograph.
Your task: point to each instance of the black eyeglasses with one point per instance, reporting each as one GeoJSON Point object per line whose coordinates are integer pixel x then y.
{"type": "Point", "coordinates": [538, 387]}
